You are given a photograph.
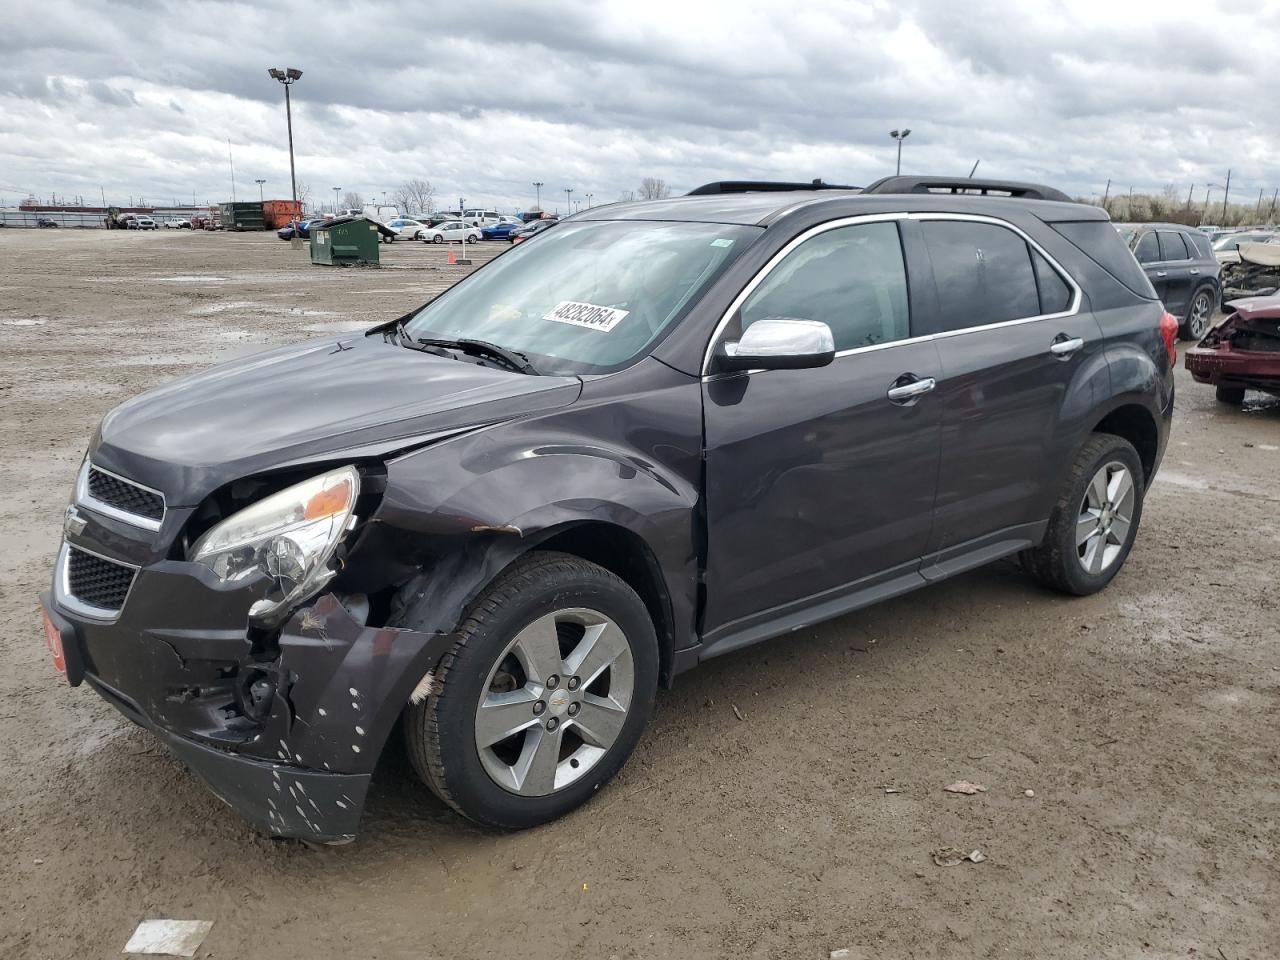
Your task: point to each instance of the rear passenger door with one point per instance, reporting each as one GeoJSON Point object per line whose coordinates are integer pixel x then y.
{"type": "Point", "coordinates": [1012, 334]}
{"type": "Point", "coordinates": [1147, 252]}
{"type": "Point", "coordinates": [1174, 271]}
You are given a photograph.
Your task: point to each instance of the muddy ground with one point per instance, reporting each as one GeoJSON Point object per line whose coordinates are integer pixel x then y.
{"type": "Point", "coordinates": [1144, 718]}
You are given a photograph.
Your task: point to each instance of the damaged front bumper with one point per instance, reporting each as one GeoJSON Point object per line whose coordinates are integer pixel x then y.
{"type": "Point", "coordinates": [286, 730]}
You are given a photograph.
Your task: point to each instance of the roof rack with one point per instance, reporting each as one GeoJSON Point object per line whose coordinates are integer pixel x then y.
{"type": "Point", "coordinates": [761, 186]}
{"type": "Point", "coordinates": [999, 188]}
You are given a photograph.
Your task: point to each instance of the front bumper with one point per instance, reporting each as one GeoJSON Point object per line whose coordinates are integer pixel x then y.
{"type": "Point", "coordinates": [295, 759]}
{"type": "Point", "coordinates": [1223, 365]}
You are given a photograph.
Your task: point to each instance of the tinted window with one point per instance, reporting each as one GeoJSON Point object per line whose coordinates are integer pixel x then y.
{"type": "Point", "coordinates": [1148, 249]}
{"type": "Point", "coordinates": [1099, 241]}
{"type": "Point", "coordinates": [1172, 247]}
{"type": "Point", "coordinates": [1055, 295]}
{"type": "Point", "coordinates": [983, 273]}
{"type": "Point", "coordinates": [1203, 249]}
{"type": "Point", "coordinates": [852, 278]}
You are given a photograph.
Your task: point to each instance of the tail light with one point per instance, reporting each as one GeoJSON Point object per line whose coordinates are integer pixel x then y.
{"type": "Point", "coordinates": [1169, 330]}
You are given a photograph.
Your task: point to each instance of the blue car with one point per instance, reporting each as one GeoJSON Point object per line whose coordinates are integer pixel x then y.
{"type": "Point", "coordinates": [500, 231]}
{"type": "Point", "coordinates": [304, 229]}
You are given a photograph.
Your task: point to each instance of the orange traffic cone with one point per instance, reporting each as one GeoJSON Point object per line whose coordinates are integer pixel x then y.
{"type": "Point", "coordinates": [452, 258]}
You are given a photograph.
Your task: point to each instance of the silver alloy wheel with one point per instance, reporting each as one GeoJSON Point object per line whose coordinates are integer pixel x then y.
{"type": "Point", "coordinates": [1198, 321]}
{"type": "Point", "coordinates": [545, 718]}
{"type": "Point", "coordinates": [1106, 514]}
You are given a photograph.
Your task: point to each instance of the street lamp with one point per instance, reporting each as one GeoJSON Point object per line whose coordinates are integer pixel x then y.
{"type": "Point", "coordinates": [335, 200]}
{"type": "Point", "coordinates": [288, 76]}
{"type": "Point", "coordinates": [900, 135]}
{"type": "Point", "coordinates": [1207, 188]}
{"type": "Point", "coordinates": [567, 202]}
{"type": "Point", "coordinates": [260, 183]}
{"type": "Point", "coordinates": [590, 197]}
{"type": "Point", "coordinates": [537, 186]}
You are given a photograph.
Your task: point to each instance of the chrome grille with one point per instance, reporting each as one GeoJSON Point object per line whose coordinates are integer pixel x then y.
{"type": "Point", "coordinates": [125, 496]}
{"type": "Point", "coordinates": [97, 581]}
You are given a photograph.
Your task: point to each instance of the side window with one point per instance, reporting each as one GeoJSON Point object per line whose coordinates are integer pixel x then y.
{"type": "Point", "coordinates": [1055, 295]}
{"type": "Point", "coordinates": [853, 279]}
{"type": "Point", "coordinates": [1172, 247]}
{"type": "Point", "coordinates": [983, 273]}
{"type": "Point", "coordinates": [1203, 249]}
{"type": "Point", "coordinates": [1148, 249]}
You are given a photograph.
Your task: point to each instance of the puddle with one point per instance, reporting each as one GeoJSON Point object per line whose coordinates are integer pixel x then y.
{"type": "Point", "coordinates": [190, 279]}
{"type": "Point", "coordinates": [223, 307]}
{"type": "Point", "coordinates": [23, 322]}
{"type": "Point", "coordinates": [252, 306]}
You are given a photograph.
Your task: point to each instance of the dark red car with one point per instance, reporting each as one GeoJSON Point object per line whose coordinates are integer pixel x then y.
{"type": "Point", "coordinates": [1242, 351]}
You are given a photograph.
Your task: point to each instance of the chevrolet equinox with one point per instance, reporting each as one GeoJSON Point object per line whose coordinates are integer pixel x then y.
{"type": "Point", "coordinates": [660, 432]}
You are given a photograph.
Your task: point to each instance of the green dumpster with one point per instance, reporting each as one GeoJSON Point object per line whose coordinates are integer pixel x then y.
{"type": "Point", "coordinates": [242, 216]}
{"type": "Point", "coordinates": [345, 240]}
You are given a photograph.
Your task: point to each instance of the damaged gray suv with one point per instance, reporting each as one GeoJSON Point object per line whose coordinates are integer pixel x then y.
{"type": "Point", "coordinates": [660, 432]}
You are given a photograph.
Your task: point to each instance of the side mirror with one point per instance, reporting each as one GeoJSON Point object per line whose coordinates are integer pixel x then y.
{"type": "Point", "coordinates": [779, 343]}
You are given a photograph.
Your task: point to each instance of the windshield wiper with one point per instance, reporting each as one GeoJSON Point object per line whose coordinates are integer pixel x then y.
{"type": "Point", "coordinates": [513, 359]}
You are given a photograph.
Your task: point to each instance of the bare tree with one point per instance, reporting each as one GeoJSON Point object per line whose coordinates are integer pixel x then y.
{"type": "Point", "coordinates": [415, 194]}
{"type": "Point", "coordinates": [304, 194]}
{"type": "Point", "coordinates": [353, 200]}
{"type": "Point", "coordinates": [654, 188]}
{"type": "Point", "coordinates": [626, 196]}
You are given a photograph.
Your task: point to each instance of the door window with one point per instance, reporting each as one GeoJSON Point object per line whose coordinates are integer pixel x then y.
{"type": "Point", "coordinates": [1148, 249]}
{"type": "Point", "coordinates": [1172, 247]}
{"type": "Point", "coordinates": [1055, 295]}
{"type": "Point", "coordinates": [851, 278]}
{"type": "Point", "coordinates": [983, 273]}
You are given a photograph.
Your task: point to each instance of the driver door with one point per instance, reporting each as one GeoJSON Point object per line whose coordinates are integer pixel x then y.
{"type": "Point", "coordinates": [818, 485]}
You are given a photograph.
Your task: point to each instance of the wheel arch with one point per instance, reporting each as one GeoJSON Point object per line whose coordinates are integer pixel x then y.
{"type": "Point", "coordinates": [1134, 422]}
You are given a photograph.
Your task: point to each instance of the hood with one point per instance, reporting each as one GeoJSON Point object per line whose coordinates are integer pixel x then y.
{"type": "Point", "coordinates": [361, 396]}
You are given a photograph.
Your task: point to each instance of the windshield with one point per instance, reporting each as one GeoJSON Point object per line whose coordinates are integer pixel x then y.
{"type": "Point", "coordinates": [588, 297]}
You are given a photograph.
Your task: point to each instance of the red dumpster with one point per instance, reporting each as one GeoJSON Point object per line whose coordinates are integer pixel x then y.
{"type": "Point", "coordinates": [280, 213]}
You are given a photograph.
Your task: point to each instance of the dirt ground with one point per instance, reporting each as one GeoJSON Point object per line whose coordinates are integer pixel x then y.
{"type": "Point", "coordinates": [1144, 719]}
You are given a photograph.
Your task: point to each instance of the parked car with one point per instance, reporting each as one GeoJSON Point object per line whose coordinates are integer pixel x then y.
{"type": "Point", "coordinates": [1227, 248]}
{"type": "Point", "coordinates": [663, 432]}
{"type": "Point", "coordinates": [143, 223]}
{"type": "Point", "coordinates": [451, 231]}
{"type": "Point", "coordinates": [531, 229]}
{"type": "Point", "coordinates": [407, 229]}
{"type": "Point", "coordinates": [440, 216]}
{"type": "Point", "coordinates": [502, 230]}
{"type": "Point", "coordinates": [303, 228]}
{"type": "Point", "coordinates": [1179, 262]}
{"type": "Point", "coordinates": [1242, 351]}
{"type": "Point", "coordinates": [480, 217]}
{"type": "Point", "coordinates": [177, 224]}
{"type": "Point", "coordinates": [48, 222]}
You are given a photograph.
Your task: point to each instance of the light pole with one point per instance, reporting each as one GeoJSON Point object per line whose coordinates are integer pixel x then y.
{"type": "Point", "coordinates": [288, 76]}
{"type": "Point", "coordinates": [537, 186]}
{"type": "Point", "coordinates": [260, 183]}
{"type": "Point", "coordinates": [901, 135]}
{"type": "Point", "coordinates": [1207, 188]}
{"type": "Point", "coordinates": [335, 200]}
{"type": "Point", "coordinates": [590, 197]}
{"type": "Point", "coordinates": [567, 202]}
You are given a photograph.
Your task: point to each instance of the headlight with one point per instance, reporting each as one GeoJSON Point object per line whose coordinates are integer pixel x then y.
{"type": "Point", "coordinates": [290, 537]}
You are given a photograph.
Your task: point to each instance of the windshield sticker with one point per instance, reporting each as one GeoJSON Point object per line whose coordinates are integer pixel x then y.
{"type": "Point", "coordinates": [586, 315]}
{"type": "Point", "coordinates": [722, 242]}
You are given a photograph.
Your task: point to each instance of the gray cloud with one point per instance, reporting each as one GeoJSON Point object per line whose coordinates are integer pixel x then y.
{"type": "Point", "coordinates": [484, 99]}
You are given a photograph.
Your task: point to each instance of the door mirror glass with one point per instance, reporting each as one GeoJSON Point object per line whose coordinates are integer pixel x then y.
{"type": "Point", "coordinates": [780, 343]}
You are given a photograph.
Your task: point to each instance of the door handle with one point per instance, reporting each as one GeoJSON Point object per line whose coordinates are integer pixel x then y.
{"type": "Point", "coordinates": [1195, 272]}
{"type": "Point", "coordinates": [905, 393]}
{"type": "Point", "coordinates": [1065, 347]}
{"type": "Point", "coordinates": [1160, 273]}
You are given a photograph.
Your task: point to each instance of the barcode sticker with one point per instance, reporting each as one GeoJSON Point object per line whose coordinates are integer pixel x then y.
{"type": "Point", "coordinates": [587, 315]}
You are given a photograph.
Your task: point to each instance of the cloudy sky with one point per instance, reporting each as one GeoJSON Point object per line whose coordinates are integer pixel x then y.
{"type": "Point", "coordinates": [139, 98]}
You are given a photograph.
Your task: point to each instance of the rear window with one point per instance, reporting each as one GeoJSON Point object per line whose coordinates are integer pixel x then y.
{"type": "Point", "coordinates": [1172, 247]}
{"type": "Point", "coordinates": [985, 271]}
{"type": "Point", "coordinates": [1099, 241]}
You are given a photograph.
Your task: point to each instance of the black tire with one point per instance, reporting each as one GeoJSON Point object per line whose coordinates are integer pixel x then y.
{"type": "Point", "coordinates": [1199, 316]}
{"type": "Point", "coordinates": [1231, 395]}
{"type": "Point", "coordinates": [440, 732]}
{"type": "Point", "coordinates": [1056, 562]}
{"type": "Point", "coordinates": [438, 238]}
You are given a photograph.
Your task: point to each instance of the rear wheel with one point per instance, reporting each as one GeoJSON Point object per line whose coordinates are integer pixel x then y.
{"type": "Point", "coordinates": [1199, 312]}
{"type": "Point", "coordinates": [543, 697]}
{"type": "Point", "coordinates": [1095, 520]}
{"type": "Point", "coordinates": [438, 238]}
{"type": "Point", "coordinates": [1231, 395]}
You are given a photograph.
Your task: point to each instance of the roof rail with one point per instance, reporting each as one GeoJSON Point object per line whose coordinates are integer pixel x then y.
{"type": "Point", "coordinates": [761, 186]}
{"type": "Point", "coordinates": [1010, 188]}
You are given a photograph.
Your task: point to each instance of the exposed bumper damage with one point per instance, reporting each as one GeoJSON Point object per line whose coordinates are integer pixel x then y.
{"type": "Point", "coordinates": [1243, 350]}
{"type": "Point", "coordinates": [289, 741]}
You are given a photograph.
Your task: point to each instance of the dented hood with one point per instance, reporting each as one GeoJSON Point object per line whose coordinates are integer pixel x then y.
{"type": "Point", "coordinates": [361, 395]}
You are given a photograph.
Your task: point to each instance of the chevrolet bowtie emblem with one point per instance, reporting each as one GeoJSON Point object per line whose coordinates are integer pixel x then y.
{"type": "Point", "coordinates": [72, 522]}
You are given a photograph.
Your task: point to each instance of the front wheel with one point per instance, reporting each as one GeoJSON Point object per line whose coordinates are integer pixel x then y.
{"type": "Point", "coordinates": [438, 238]}
{"type": "Point", "coordinates": [1199, 312]}
{"type": "Point", "coordinates": [1095, 520]}
{"type": "Point", "coordinates": [543, 697]}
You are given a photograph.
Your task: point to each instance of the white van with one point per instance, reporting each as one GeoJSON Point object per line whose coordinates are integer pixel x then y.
{"type": "Point", "coordinates": [480, 217]}
{"type": "Point", "coordinates": [380, 212]}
